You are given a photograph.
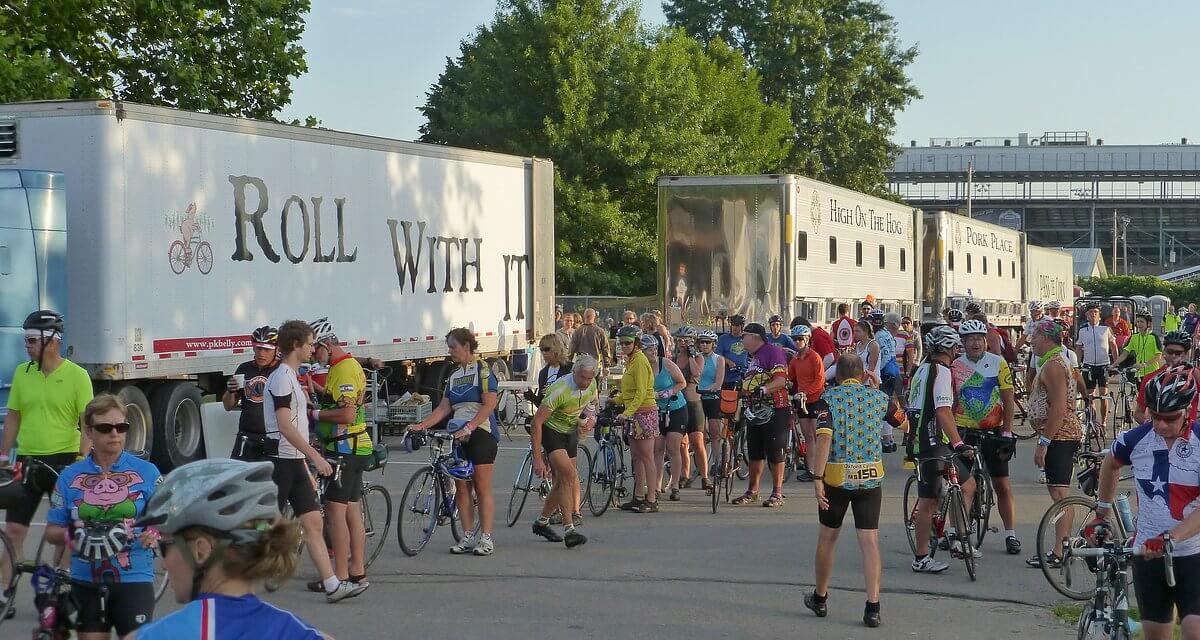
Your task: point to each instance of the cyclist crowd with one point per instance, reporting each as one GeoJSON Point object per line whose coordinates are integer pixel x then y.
{"type": "Point", "coordinates": [841, 396]}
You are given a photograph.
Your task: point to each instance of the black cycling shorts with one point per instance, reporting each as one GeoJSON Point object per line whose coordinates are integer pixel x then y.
{"type": "Point", "coordinates": [675, 421]}
{"type": "Point", "coordinates": [21, 499]}
{"type": "Point", "coordinates": [695, 423]}
{"type": "Point", "coordinates": [865, 503]}
{"type": "Point", "coordinates": [811, 409]}
{"type": "Point", "coordinates": [348, 488]}
{"type": "Point", "coordinates": [712, 408]}
{"type": "Point", "coordinates": [1156, 600]}
{"type": "Point", "coordinates": [481, 447]}
{"type": "Point", "coordinates": [1095, 375]}
{"type": "Point", "coordinates": [128, 606]}
{"type": "Point", "coordinates": [1060, 462]}
{"type": "Point", "coordinates": [553, 441]}
{"type": "Point", "coordinates": [295, 486]}
{"type": "Point", "coordinates": [931, 469]}
{"type": "Point", "coordinates": [991, 449]}
{"type": "Point", "coordinates": [767, 441]}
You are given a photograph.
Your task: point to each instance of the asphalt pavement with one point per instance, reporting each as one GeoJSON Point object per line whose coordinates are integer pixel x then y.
{"type": "Point", "coordinates": [680, 573]}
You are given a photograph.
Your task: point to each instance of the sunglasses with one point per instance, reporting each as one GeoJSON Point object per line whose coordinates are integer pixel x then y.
{"type": "Point", "coordinates": [1174, 352]}
{"type": "Point", "coordinates": [706, 342]}
{"type": "Point", "coordinates": [32, 340]}
{"type": "Point", "coordinates": [626, 343]}
{"type": "Point", "coordinates": [105, 427]}
{"type": "Point", "coordinates": [163, 545]}
{"type": "Point", "coordinates": [1166, 417]}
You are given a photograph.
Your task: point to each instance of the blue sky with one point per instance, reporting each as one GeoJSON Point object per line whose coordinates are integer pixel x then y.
{"type": "Point", "coordinates": [1124, 73]}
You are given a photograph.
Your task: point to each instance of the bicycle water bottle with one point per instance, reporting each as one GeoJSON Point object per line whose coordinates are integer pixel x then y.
{"type": "Point", "coordinates": [1125, 513]}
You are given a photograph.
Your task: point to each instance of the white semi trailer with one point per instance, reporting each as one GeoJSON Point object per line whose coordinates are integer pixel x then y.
{"type": "Point", "coordinates": [166, 236]}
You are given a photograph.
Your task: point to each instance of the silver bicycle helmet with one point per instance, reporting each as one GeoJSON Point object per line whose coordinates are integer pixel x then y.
{"type": "Point", "coordinates": [1035, 305]}
{"type": "Point", "coordinates": [218, 493]}
{"type": "Point", "coordinates": [707, 334]}
{"type": "Point", "coordinates": [685, 332]}
{"type": "Point", "coordinates": [322, 330]}
{"type": "Point", "coordinates": [649, 341]}
{"type": "Point", "coordinates": [942, 338]}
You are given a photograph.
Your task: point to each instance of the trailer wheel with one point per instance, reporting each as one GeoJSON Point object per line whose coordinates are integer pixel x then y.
{"type": "Point", "coordinates": [141, 422]}
{"type": "Point", "coordinates": [178, 436]}
{"type": "Point", "coordinates": [434, 379]}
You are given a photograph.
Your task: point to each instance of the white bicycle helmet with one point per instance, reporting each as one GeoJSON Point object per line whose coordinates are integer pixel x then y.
{"type": "Point", "coordinates": [217, 493]}
{"type": "Point", "coordinates": [1035, 305]}
{"type": "Point", "coordinates": [707, 334]}
{"type": "Point", "coordinates": [1054, 304]}
{"type": "Point", "coordinates": [322, 330]}
{"type": "Point", "coordinates": [972, 328]}
{"type": "Point", "coordinates": [942, 338]}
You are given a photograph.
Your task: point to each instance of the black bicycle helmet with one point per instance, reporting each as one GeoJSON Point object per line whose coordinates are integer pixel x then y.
{"type": "Point", "coordinates": [1144, 314]}
{"type": "Point", "coordinates": [1172, 390]}
{"type": "Point", "coordinates": [630, 331]}
{"type": "Point", "coordinates": [737, 318]}
{"type": "Point", "coordinates": [974, 307]}
{"type": "Point", "coordinates": [954, 316]}
{"type": "Point", "coordinates": [265, 336]}
{"type": "Point", "coordinates": [1181, 338]}
{"type": "Point", "coordinates": [44, 320]}
{"type": "Point", "coordinates": [775, 318]}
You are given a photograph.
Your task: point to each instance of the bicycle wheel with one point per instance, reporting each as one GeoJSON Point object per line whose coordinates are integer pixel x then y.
{"type": "Point", "coordinates": [8, 567]}
{"type": "Point", "coordinates": [982, 505]}
{"type": "Point", "coordinates": [599, 493]}
{"type": "Point", "coordinates": [1074, 577]}
{"type": "Point", "coordinates": [583, 467]}
{"type": "Point", "coordinates": [204, 257]}
{"type": "Point", "coordinates": [1088, 628]}
{"type": "Point", "coordinates": [958, 515]}
{"type": "Point", "coordinates": [449, 509]}
{"type": "Point", "coordinates": [909, 505]}
{"type": "Point", "coordinates": [175, 255]}
{"type": "Point", "coordinates": [721, 456]}
{"type": "Point", "coordinates": [741, 461]}
{"type": "Point", "coordinates": [417, 518]}
{"type": "Point", "coordinates": [377, 519]}
{"type": "Point", "coordinates": [520, 489]}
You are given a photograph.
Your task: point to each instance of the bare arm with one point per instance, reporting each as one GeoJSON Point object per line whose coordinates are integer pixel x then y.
{"type": "Point", "coordinates": [945, 420]}
{"type": "Point", "coordinates": [56, 534]}
{"type": "Point", "coordinates": [719, 381]}
{"type": "Point", "coordinates": [1054, 397]}
{"type": "Point", "coordinates": [820, 454]}
{"type": "Point", "coordinates": [677, 376]}
{"type": "Point", "coordinates": [490, 400]}
{"type": "Point", "coordinates": [12, 426]}
{"type": "Point", "coordinates": [1010, 404]}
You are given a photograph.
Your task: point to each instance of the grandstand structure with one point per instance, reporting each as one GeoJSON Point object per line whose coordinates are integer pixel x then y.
{"type": "Point", "coordinates": [1065, 189]}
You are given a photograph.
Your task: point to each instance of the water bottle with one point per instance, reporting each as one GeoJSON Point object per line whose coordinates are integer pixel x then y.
{"type": "Point", "coordinates": [1125, 513]}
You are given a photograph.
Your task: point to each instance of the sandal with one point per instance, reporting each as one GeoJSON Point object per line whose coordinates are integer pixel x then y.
{"type": "Point", "coordinates": [746, 498]}
{"type": "Point", "coordinates": [685, 483]}
{"type": "Point", "coordinates": [707, 485]}
{"type": "Point", "coordinates": [775, 500]}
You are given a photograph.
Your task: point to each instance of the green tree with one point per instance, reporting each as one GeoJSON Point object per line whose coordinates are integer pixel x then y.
{"type": "Point", "coordinates": [837, 64]}
{"type": "Point", "coordinates": [1180, 293]}
{"type": "Point", "coordinates": [615, 106]}
{"type": "Point", "coordinates": [233, 57]}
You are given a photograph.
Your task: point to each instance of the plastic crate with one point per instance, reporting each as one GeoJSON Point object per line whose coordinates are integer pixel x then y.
{"type": "Point", "coordinates": [409, 413]}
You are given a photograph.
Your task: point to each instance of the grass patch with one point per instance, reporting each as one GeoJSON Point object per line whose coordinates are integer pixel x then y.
{"type": "Point", "coordinates": [1067, 612]}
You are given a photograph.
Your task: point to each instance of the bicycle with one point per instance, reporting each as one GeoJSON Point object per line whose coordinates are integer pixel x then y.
{"type": "Point", "coordinates": [523, 483]}
{"type": "Point", "coordinates": [376, 523]}
{"type": "Point", "coordinates": [606, 486]}
{"type": "Point", "coordinates": [181, 256]}
{"type": "Point", "coordinates": [1059, 569]}
{"type": "Point", "coordinates": [1123, 399]}
{"type": "Point", "coordinates": [983, 501]}
{"type": "Point", "coordinates": [950, 507]}
{"type": "Point", "coordinates": [1022, 427]}
{"type": "Point", "coordinates": [1107, 614]}
{"type": "Point", "coordinates": [428, 498]}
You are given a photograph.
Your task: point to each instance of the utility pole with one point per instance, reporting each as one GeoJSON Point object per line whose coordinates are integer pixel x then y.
{"type": "Point", "coordinates": [1114, 253]}
{"type": "Point", "coordinates": [1125, 241]}
{"type": "Point", "coordinates": [970, 180]}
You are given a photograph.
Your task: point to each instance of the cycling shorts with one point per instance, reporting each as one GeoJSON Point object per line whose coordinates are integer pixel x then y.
{"type": "Point", "coordinates": [348, 488]}
{"type": "Point", "coordinates": [1060, 462]}
{"type": "Point", "coordinates": [21, 499]}
{"type": "Point", "coordinates": [865, 503]}
{"type": "Point", "coordinates": [553, 441]}
{"type": "Point", "coordinates": [480, 448]}
{"type": "Point", "coordinates": [767, 441]}
{"type": "Point", "coordinates": [992, 450]}
{"type": "Point", "coordinates": [1157, 601]}
{"type": "Point", "coordinates": [712, 408]}
{"type": "Point", "coordinates": [811, 409]}
{"type": "Point", "coordinates": [1095, 375]}
{"type": "Point", "coordinates": [674, 421]}
{"type": "Point", "coordinates": [695, 423]}
{"type": "Point", "coordinates": [295, 486]}
{"type": "Point", "coordinates": [128, 606]}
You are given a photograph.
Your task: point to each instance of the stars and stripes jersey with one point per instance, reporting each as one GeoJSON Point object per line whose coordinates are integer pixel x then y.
{"type": "Point", "coordinates": [217, 617]}
{"type": "Point", "coordinates": [1168, 481]}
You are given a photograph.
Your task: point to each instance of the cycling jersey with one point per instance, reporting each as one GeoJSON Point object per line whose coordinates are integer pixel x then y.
{"type": "Point", "coordinates": [1145, 347]}
{"type": "Point", "coordinates": [637, 385]}
{"type": "Point", "coordinates": [50, 406]}
{"type": "Point", "coordinates": [768, 363]}
{"type": "Point", "coordinates": [465, 390]}
{"type": "Point", "coordinates": [708, 376]}
{"type": "Point", "coordinates": [284, 389]}
{"type": "Point", "coordinates": [854, 421]}
{"type": "Point", "coordinates": [807, 375]}
{"type": "Point", "coordinates": [731, 348]}
{"type": "Point", "coordinates": [250, 396]}
{"type": "Point", "coordinates": [979, 384]}
{"type": "Point", "coordinates": [663, 381]}
{"type": "Point", "coordinates": [822, 343]}
{"type": "Point", "coordinates": [887, 353]}
{"type": "Point", "coordinates": [783, 341]}
{"type": "Point", "coordinates": [843, 332]}
{"type": "Point", "coordinates": [928, 435]}
{"type": "Point", "coordinates": [217, 617]}
{"type": "Point", "coordinates": [1094, 340]}
{"type": "Point", "coordinates": [567, 402]}
{"type": "Point", "coordinates": [345, 385]}
{"type": "Point", "coordinates": [1168, 481]}
{"type": "Point", "coordinates": [86, 492]}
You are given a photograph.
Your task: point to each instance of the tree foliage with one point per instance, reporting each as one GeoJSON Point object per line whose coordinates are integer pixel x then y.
{"type": "Point", "coordinates": [615, 106]}
{"type": "Point", "coordinates": [1180, 293]}
{"type": "Point", "coordinates": [838, 65]}
{"type": "Point", "coordinates": [232, 57]}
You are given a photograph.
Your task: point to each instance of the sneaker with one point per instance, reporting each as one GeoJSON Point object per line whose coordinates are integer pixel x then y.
{"type": "Point", "coordinates": [960, 550]}
{"type": "Point", "coordinates": [647, 507]}
{"type": "Point", "coordinates": [574, 538]}
{"type": "Point", "coordinates": [805, 476]}
{"type": "Point", "coordinates": [1042, 477]}
{"type": "Point", "coordinates": [484, 547]}
{"type": "Point", "coordinates": [929, 565]}
{"type": "Point", "coordinates": [674, 495]}
{"type": "Point", "coordinates": [746, 498]}
{"type": "Point", "coordinates": [707, 485]}
{"type": "Point", "coordinates": [1052, 560]}
{"type": "Point", "coordinates": [1012, 545]}
{"type": "Point", "coordinates": [686, 483]}
{"type": "Point", "coordinates": [632, 505]}
{"type": "Point", "coordinates": [316, 586]}
{"type": "Point", "coordinates": [871, 618]}
{"type": "Point", "coordinates": [10, 612]}
{"type": "Point", "coordinates": [546, 532]}
{"type": "Point", "coordinates": [888, 447]}
{"type": "Point", "coordinates": [820, 608]}
{"type": "Point", "coordinates": [345, 589]}
{"type": "Point", "coordinates": [466, 546]}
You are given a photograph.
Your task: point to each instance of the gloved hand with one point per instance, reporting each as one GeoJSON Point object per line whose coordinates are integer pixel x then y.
{"type": "Point", "coordinates": [1095, 531]}
{"type": "Point", "coordinates": [1155, 547]}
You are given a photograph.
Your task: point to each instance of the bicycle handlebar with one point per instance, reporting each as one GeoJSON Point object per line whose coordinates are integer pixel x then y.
{"type": "Point", "coordinates": [1100, 552]}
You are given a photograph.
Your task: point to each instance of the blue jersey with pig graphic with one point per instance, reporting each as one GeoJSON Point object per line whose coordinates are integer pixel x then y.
{"type": "Point", "coordinates": [88, 493]}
